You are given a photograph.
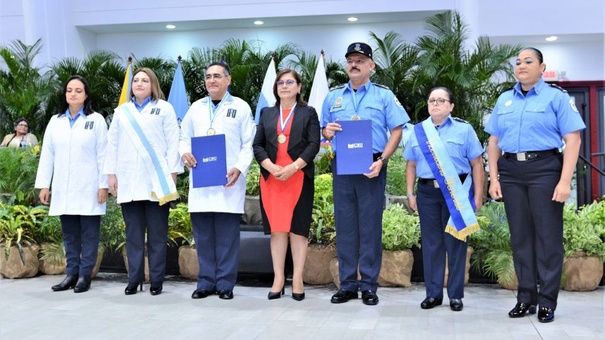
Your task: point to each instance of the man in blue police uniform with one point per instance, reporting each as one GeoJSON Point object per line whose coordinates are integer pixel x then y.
{"type": "Point", "coordinates": [358, 199]}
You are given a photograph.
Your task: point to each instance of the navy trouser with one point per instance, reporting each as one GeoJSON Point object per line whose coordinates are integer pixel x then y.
{"type": "Point", "coordinates": [217, 246]}
{"type": "Point", "coordinates": [81, 241]}
{"type": "Point", "coordinates": [358, 205]}
{"type": "Point", "coordinates": [146, 217]}
{"type": "Point", "coordinates": [434, 214]}
{"type": "Point", "coordinates": [536, 225]}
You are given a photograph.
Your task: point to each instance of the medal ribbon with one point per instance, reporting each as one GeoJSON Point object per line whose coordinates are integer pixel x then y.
{"type": "Point", "coordinates": [282, 124]}
{"type": "Point", "coordinates": [355, 104]}
{"type": "Point", "coordinates": [212, 112]}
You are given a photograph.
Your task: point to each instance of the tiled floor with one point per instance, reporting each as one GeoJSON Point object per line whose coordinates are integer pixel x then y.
{"type": "Point", "coordinates": [30, 310]}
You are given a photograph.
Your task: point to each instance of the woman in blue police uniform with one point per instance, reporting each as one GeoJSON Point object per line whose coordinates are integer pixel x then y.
{"type": "Point", "coordinates": [358, 198]}
{"type": "Point", "coordinates": [73, 151]}
{"type": "Point", "coordinates": [528, 126]}
{"type": "Point", "coordinates": [463, 149]}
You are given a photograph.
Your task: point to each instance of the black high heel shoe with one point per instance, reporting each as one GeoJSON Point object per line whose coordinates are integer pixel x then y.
{"type": "Point", "coordinates": [276, 295]}
{"type": "Point", "coordinates": [67, 283]}
{"type": "Point", "coordinates": [156, 288]}
{"type": "Point", "coordinates": [132, 288]}
{"type": "Point", "coordinates": [298, 297]}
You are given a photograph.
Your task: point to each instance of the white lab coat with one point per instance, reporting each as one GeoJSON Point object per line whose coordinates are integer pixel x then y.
{"type": "Point", "coordinates": [239, 134]}
{"type": "Point", "coordinates": [72, 157]}
{"type": "Point", "coordinates": [123, 159]}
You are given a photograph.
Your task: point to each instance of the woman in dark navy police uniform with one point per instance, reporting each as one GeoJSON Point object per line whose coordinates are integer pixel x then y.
{"type": "Point", "coordinates": [528, 126]}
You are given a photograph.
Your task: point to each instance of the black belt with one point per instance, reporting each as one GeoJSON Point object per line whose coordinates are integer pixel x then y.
{"type": "Point", "coordinates": [433, 182]}
{"type": "Point", "coordinates": [524, 156]}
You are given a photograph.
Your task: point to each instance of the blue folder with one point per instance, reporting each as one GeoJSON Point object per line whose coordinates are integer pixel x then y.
{"type": "Point", "coordinates": [354, 147]}
{"type": "Point", "coordinates": [211, 156]}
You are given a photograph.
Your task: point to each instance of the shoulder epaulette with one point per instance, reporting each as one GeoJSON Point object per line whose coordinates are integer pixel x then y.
{"type": "Point", "coordinates": [383, 86]}
{"type": "Point", "coordinates": [460, 120]}
{"type": "Point", "coordinates": [337, 87]}
{"type": "Point", "coordinates": [558, 87]}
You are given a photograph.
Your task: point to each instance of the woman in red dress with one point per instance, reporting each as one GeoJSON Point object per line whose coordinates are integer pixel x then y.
{"type": "Point", "coordinates": [286, 142]}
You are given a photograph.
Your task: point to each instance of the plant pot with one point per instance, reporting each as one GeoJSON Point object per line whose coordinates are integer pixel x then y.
{"type": "Point", "coordinates": [317, 264]}
{"type": "Point", "coordinates": [146, 263]}
{"type": "Point", "coordinates": [95, 269]}
{"type": "Point", "coordinates": [14, 268]}
{"type": "Point", "coordinates": [188, 263]}
{"type": "Point", "coordinates": [582, 273]}
{"type": "Point", "coordinates": [335, 274]}
{"type": "Point", "coordinates": [469, 252]}
{"type": "Point", "coordinates": [53, 264]}
{"type": "Point", "coordinates": [403, 200]}
{"type": "Point", "coordinates": [396, 269]}
{"type": "Point", "coordinates": [252, 213]}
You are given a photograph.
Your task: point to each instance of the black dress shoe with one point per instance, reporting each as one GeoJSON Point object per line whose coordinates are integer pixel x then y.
{"type": "Point", "coordinates": [156, 288]}
{"type": "Point", "coordinates": [298, 297]}
{"type": "Point", "coordinates": [430, 302]}
{"type": "Point", "coordinates": [521, 309]}
{"type": "Point", "coordinates": [132, 288]}
{"type": "Point", "coordinates": [369, 298]}
{"type": "Point", "coordinates": [225, 294]}
{"type": "Point", "coordinates": [83, 284]}
{"type": "Point", "coordinates": [456, 305]}
{"type": "Point", "coordinates": [343, 296]}
{"type": "Point", "coordinates": [200, 294]}
{"type": "Point", "coordinates": [546, 314]}
{"type": "Point", "coordinates": [275, 295]}
{"type": "Point", "coordinates": [68, 282]}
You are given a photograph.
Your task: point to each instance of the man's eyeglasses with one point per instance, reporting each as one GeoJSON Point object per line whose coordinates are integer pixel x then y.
{"type": "Point", "coordinates": [439, 101]}
{"type": "Point", "coordinates": [288, 83]}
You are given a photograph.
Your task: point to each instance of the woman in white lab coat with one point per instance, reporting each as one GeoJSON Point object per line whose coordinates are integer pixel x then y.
{"type": "Point", "coordinates": [73, 151]}
{"type": "Point", "coordinates": [142, 163]}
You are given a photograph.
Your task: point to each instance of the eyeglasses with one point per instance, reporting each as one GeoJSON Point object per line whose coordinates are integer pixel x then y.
{"type": "Point", "coordinates": [437, 102]}
{"type": "Point", "coordinates": [23, 125]}
{"type": "Point", "coordinates": [287, 83]}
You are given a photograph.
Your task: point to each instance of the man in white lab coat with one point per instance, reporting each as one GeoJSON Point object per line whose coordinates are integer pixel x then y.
{"type": "Point", "coordinates": [215, 210]}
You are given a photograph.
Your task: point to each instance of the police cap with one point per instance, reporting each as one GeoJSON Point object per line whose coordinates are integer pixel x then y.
{"type": "Point", "coordinates": [361, 48]}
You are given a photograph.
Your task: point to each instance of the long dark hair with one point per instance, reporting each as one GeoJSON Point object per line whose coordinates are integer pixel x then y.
{"type": "Point", "coordinates": [87, 107]}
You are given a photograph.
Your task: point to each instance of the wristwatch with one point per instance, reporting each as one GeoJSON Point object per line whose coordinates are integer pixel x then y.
{"type": "Point", "coordinates": [380, 158]}
{"type": "Point", "coordinates": [411, 194]}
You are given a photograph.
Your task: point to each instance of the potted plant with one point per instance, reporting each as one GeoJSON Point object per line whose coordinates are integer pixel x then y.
{"type": "Point", "coordinates": [112, 236]}
{"type": "Point", "coordinates": [179, 226]}
{"type": "Point", "coordinates": [252, 214]}
{"type": "Point", "coordinates": [400, 232]}
{"type": "Point", "coordinates": [19, 252]}
{"type": "Point", "coordinates": [322, 235]}
{"type": "Point", "coordinates": [52, 251]}
{"type": "Point", "coordinates": [492, 251]}
{"type": "Point", "coordinates": [584, 244]}
{"type": "Point", "coordinates": [396, 182]}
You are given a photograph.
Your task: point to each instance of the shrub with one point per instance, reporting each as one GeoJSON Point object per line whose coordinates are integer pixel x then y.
{"type": "Point", "coordinates": [400, 230]}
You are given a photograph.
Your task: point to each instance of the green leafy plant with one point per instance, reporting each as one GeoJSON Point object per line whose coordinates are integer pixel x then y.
{"type": "Point", "coordinates": [584, 230]}
{"type": "Point", "coordinates": [17, 225]}
{"type": "Point", "coordinates": [323, 230]}
{"type": "Point", "coordinates": [492, 250]}
{"type": "Point", "coordinates": [179, 225]}
{"type": "Point", "coordinates": [396, 183]}
{"type": "Point", "coordinates": [113, 229]}
{"type": "Point", "coordinates": [18, 168]}
{"type": "Point", "coordinates": [253, 179]}
{"type": "Point", "coordinates": [323, 160]}
{"type": "Point", "coordinates": [400, 230]}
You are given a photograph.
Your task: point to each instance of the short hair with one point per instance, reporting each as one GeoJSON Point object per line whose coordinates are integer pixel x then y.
{"type": "Point", "coordinates": [87, 107]}
{"type": "Point", "coordinates": [299, 100]}
{"type": "Point", "coordinates": [21, 120]}
{"type": "Point", "coordinates": [156, 91]}
{"type": "Point", "coordinates": [536, 51]}
{"type": "Point", "coordinates": [448, 91]}
{"type": "Point", "coordinates": [221, 64]}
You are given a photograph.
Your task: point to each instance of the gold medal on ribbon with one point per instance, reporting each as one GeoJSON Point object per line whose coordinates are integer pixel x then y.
{"type": "Point", "coordinates": [210, 132]}
{"type": "Point", "coordinates": [355, 117]}
{"type": "Point", "coordinates": [281, 139]}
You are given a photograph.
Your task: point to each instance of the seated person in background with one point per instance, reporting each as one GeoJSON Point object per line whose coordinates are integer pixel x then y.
{"type": "Point", "coordinates": [21, 137]}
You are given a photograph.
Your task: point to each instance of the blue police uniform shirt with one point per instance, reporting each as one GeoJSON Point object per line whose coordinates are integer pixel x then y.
{"type": "Point", "coordinates": [370, 102]}
{"type": "Point", "coordinates": [535, 122]}
{"type": "Point", "coordinates": [461, 143]}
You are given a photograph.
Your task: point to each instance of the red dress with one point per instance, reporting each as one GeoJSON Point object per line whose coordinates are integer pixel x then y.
{"type": "Point", "coordinates": [281, 197]}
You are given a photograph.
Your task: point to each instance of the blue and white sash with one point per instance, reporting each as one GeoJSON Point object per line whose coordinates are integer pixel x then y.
{"type": "Point", "coordinates": [163, 187]}
{"type": "Point", "coordinates": [458, 196]}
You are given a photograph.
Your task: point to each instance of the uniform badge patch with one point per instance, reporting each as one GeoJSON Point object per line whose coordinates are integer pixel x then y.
{"type": "Point", "coordinates": [397, 101]}
{"type": "Point", "coordinates": [508, 103]}
{"type": "Point", "coordinates": [572, 103]}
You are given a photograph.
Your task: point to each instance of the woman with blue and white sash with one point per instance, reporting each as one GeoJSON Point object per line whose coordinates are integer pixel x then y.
{"type": "Point", "coordinates": [142, 163]}
{"type": "Point", "coordinates": [445, 154]}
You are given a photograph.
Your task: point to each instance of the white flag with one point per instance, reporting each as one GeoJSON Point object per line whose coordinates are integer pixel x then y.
{"type": "Point", "coordinates": [266, 97]}
{"type": "Point", "coordinates": [320, 88]}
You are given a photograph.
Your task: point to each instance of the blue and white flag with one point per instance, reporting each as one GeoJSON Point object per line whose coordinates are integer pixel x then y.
{"type": "Point", "coordinates": [266, 97]}
{"type": "Point", "coordinates": [320, 88]}
{"type": "Point", "coordinates": [178, 95]}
